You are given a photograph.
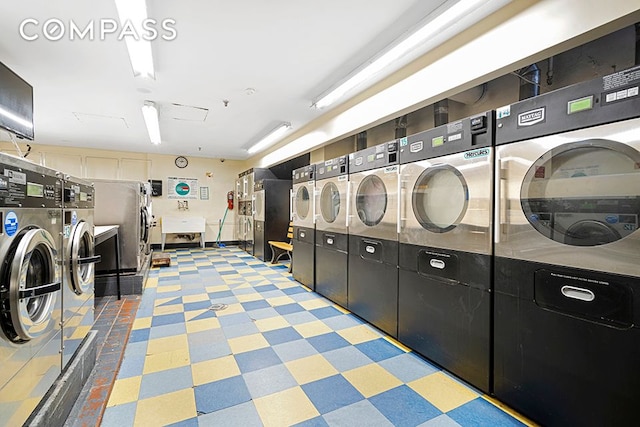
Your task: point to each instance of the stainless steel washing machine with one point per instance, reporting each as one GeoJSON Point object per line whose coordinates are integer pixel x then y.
{"type": "Point", "coordinates": [78, 264]}
{"type": "Point", "coordinates": [121, 203]}
{"type": "Point", "coordinates": [445, 280]}
{"type": "Point", "coordinates": [304, 228]}
{"type": "Point", "coordinates": [373, 235]}
{"type": "Point", "coordinates": [567, 254]}
{"type": "Point", "coordinates": [244, 188]}
{"type": "Point", "coordinates": [332, 240]}
{"type": "Point", "coordinates": [30, 284]}
{"type": "Point", "coordinates": [146, 218]}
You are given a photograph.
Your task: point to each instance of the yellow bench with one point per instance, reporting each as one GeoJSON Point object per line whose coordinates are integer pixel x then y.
{"type": "Point", "coordinates": [278, 249]}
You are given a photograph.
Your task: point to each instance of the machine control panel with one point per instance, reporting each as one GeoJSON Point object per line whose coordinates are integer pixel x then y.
{"type": "Point", "coordinates": [304, 174]}
{"type": "Point", "coordinates": [472, 134]}
{"type": "Point", "coordinates": [380, 156]}
{"type": "Point", "coordinates": [607, 99]}
{"type": "Point", "coordinates": [20, 187]}
{"type": "Point", "coordinates": [78, 195]}
{"type": "Point", "coordinates": [330, 168]}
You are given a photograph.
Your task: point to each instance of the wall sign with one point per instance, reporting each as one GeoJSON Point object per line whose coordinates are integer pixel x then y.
{"type": "Point", "coordinates": [182, 188]}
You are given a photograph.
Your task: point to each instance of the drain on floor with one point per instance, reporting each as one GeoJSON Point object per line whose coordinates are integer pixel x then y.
{"type": "Point", "coordinates": [218, 307]}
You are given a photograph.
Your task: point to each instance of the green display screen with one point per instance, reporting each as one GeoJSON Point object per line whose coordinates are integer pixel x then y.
{"type": "Point", "coordinates": [35, 190]}
{"type": "Point", "coordinates": [581, 104]}
{"type": "Point", "coordinates": [437, 141]}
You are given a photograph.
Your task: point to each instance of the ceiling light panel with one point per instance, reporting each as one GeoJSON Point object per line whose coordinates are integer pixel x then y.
{"type": "Point", "coordinates": [271, 138]}
{"type": "Point", "coordinates": [151, 119]}
{"type": "Point", "coordinates": [450, 19]}
{"type": "Point", "coordinates": [134, 13]}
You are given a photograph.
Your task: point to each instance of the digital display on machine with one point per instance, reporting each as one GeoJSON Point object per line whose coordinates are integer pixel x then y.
{"type": "Point", "coordinates": [578, 105]}
{"type": "Point", "coordinates": [35, 190]}
{"type": "Point", "coordinates": [437, 141]}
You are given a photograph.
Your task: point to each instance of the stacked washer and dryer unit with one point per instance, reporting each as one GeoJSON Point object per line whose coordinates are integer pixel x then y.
{"type": "Point", "coordinates": [567, 254]}
{"type": "Point", "coordinates": [246, 205]}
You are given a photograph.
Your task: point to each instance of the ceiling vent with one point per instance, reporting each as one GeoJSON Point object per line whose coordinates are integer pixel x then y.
{"type": "Point", "coordinates": [186, 113]}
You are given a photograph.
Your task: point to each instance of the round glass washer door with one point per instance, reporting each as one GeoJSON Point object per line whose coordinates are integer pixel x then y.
{"type": "Point", "coordinates": [31, 274]}
{"type": "Point", "coordinates": [302, 202]}
{"type": "Point", "coordinates": [440, 198]}
{"type": "Point", "coordinates": [144, 225]}
{"type": "Point", "coordinates": [330, 202]}
{"type": "Point", "coordinates": [584, 193]}
{"type": "Point", "coordinates": [82, 258]}
{"type": "Point", "coordinates": [371, 200]}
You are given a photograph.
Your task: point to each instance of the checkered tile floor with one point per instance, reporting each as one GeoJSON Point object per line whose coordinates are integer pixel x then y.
{"type": "Point", "coordinates": [276, 354]}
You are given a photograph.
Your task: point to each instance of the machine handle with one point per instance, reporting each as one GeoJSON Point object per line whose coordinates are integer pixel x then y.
{"type": "Point", "coordinates": [291, 205]}
{"type": "Point", "coordinates": [90, 260]}
{"type": "Point", "coordinates": [313, 212]}
{"type": "Point", "coordinates": [578, 293]}
{"type": "Point", "coordinates": [497, 230]}
{"type": "Point", "coordinates": [348, 210]}
{"type": "Point", "coordinates": [399, 195]}
{"type": "Point", "coordinates": [40, 290]}
{"type": "Point", "coordinates": [437, 263]}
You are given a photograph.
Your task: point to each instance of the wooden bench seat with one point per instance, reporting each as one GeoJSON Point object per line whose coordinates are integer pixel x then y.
{"type": "Point", "coordinates": [279, 249]}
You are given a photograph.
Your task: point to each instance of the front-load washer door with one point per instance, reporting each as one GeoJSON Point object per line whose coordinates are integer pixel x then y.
{"type": "Point", "coordinates": [331, 204]}
{"type": "Point", "coordinates": [374, 203]}
{"type": "Point", "coordinates": [446, 202]}
{"type": "Point", "coordinates": [32, 274]}
{"type": "Point", "coordinates": [82, 258]}
{"type": "Point", "coordinates": [302, 206]}
{"type": "Point", "coordinates": [145, 226]}
{"type": "Point", "coordinates": [572, 199]}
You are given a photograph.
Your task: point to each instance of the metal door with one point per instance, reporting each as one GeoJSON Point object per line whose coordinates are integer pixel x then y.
{"type": "Point", "coordinates": [31, 274]}
{"type": "Point", "coordinates": [82, 258]}
{"type": "Point", "coordinates": [446, 202]}
{"type": "Point", "coordinates": [302, 206]}
{"type": "Point", "coordinates": [331, 204]}
{"type": "Point", "coordinates": [373, 203]}
{"type": "Point", "coordinates": [258, 205]}
{"type": "Point", "coordinates": [572, 199]}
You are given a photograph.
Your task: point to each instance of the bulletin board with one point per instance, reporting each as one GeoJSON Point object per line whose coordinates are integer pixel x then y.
{"type": "Point", "coordinates": [182, 188]}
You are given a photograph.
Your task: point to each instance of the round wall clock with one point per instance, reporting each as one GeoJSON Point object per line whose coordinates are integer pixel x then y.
{"type": "Point", "coordinates": [181, 162]}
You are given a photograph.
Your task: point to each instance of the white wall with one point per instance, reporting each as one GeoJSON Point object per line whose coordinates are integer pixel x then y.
{"type": "Point", "coordinates": [523, 32]}
{"type": "Point", "coordinates": [104, 164]}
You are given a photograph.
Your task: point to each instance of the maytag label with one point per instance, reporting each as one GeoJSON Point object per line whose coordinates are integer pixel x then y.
{"type": "Point", "coordinates": [532, 117]}
{"type": "Point", "coordinates": [359, 161]}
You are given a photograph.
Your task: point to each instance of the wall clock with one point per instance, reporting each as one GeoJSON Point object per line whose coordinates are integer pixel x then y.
{"type": "Point", "coordinates": [181, 162]}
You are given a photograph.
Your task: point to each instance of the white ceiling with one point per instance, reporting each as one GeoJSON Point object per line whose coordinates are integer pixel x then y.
{"type": "Point", "coordinates": [289, 51]}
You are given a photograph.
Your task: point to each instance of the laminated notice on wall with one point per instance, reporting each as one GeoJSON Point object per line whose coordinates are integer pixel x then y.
{"type": "Point", "coordinates": [182, 188]}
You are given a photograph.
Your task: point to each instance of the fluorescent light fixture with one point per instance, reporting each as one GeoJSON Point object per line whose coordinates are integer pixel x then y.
{"type": "Point", "coordinates": [150, 114]}
{"type": "Point", "coordinates": [134, 13]}
{"type": "Point", "coordinates": [411, 42]}
{"type": "Point", "coordinates": [271, 138]}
